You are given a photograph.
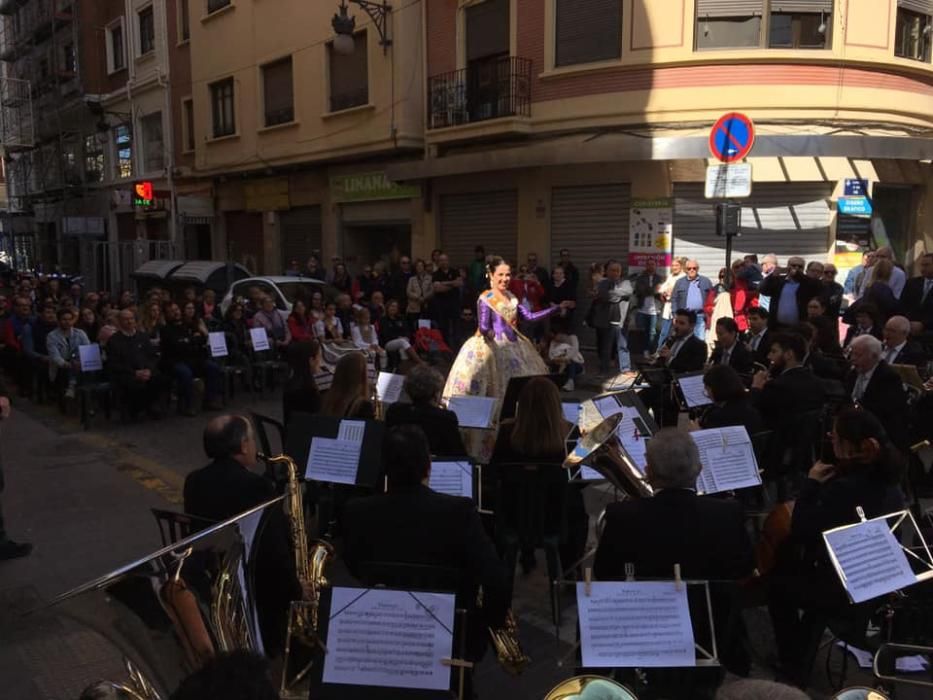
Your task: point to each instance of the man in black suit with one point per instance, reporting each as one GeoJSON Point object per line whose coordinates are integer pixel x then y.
{"type": "Point", "coordinates": [898, 347]}
{"type": "Point", "coordinates": [877, 388]}
{"type": "Point", "coordinates": [134, 367]}
{"type": "Point", "coordinates": [424, 385]}
{"type": "Point", "coordinates": [682, 352]}
{"type": "Point", "coordinates": [729, 350]}
{"type": "Point", "coordinates": [790, 294]}
{"type": "Point", "coordinates": [757, 340]}
{"type": "Point", "coordinates": [411, 524]}
{"type": "Point", "coordinates": [227, 487]}
{"type": "Point", "coordinates": [917, 298]}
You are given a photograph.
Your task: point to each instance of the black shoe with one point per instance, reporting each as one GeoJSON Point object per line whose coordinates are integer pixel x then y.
{"type": "Point", "coordinates": [14, 550]}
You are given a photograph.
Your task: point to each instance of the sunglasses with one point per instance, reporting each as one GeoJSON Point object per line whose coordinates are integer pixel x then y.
{"type": "Point", "coordinates": [693, 268]}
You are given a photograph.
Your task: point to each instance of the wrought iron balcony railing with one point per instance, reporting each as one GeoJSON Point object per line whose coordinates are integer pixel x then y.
{"type": "Point", "coordinates": [486, 89]}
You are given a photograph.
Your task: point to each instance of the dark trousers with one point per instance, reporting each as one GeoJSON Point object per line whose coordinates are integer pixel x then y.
{"type": "Point", "coordinates": [447, 325]}
{"type": "Point", "coordinates": [605, 339]}
{"type": "Point", "coordinates": [142, 396]}
{"type": "Point", "coordinates": [185, 375]}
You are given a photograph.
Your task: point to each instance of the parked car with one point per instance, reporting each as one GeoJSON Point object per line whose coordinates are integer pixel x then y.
{"type": "Point", "coordinates": [283, 289]}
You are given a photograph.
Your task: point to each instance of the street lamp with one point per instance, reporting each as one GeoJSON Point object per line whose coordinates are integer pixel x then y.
{"type": "Point", "coordinates": [344, 25]}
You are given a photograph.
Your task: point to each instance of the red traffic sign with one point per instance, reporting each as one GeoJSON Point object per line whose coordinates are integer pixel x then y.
{"type": "Point", "coordinates": [732, 137]}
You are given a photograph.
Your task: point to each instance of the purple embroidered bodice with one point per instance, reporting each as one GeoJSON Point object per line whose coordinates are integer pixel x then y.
{"type": "Point", "coordinates": [502, 322]}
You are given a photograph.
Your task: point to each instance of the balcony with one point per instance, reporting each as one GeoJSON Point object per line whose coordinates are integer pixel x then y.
{"type": "Point", "coordinates": [488, 89]}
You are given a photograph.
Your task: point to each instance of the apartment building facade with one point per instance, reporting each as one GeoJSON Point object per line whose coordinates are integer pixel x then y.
{"type": "Point", "coordinates": [555, 123]}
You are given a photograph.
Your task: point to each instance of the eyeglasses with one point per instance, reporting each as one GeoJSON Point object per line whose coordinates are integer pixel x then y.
{"type": "Point", "coordinates": [693, 268]}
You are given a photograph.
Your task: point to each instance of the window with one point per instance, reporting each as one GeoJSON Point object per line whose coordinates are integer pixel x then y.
{"type": "Point", "coordinates": [116, 58]}
{"type": "Point", "coordinates": [214, 5]}
{"type": "Point", "coordinates": [728, 24]}
{"type": "Point", "coordinates": [146, 30]}
{"type": "Point", "coordinates": [777, 24]}
{"type": "Point", "coordinates": [588, 31]}
{"type": "Point", "coordinates": [349, 76]}
{"type": "Point", "coordinates": [70, 170]}
{"type": "Point", "coordinates": [187, 116]}
{"type": "Point", "coordinates": [123, 141]}
{"type": "Point", "coordinates": [93, 160]}
{"type": "Point", "coordinates": [184, 25]}
{"type": "Point", "coordinates": [222, 108]}
{"type": "Point", "coordinates": [69, 60]}
{"type": "Point", "coordinates": [799, 30]}
{"type": "Point", "coordinates": [153, 144]}
{"type": "Point", "coordinates": [912, 31]}
{"type": "Point", "coordinates": [278, 98]}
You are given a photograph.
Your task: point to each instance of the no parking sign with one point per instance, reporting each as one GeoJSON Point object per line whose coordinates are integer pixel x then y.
{"type": "Point", "coordinates": [732, 137]}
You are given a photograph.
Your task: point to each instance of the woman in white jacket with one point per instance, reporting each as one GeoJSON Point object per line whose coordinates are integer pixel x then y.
{"type": "Point", "coordinates": [666, 290]}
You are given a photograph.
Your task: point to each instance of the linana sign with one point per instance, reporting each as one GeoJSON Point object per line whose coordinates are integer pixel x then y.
{"type": "Point", "coordinates": [365, 186]}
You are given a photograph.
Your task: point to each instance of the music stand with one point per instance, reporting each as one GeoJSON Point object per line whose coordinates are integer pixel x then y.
{"type": "Point", "coordinates": [304, 427]}
{"type": "Point", "coordinates": [475, 488]}
{"type": "Point", "coordinates": [688, 395]}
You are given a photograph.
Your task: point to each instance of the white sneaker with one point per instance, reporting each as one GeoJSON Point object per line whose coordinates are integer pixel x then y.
{"type": "Point", "coordinates": [568, 386]}
{"type": "Point", "coordinates": [70, 392]}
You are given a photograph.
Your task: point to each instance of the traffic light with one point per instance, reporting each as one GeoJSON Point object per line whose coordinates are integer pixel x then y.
{"type": "Point", "coordinates": [728, 220]}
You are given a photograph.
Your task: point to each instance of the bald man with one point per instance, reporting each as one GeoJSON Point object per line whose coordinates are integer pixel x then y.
{"type": "Point", "coordinates": [898, 348]}
{"type": "Point", "coordinates": [790, 294]}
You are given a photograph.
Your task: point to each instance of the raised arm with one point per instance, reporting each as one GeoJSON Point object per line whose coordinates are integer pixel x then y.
{"type": "Point", "coordinates": [536, 315]}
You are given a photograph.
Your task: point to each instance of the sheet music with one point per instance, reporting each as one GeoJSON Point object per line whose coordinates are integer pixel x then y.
{"type": "Point", "coordinates": [91, 360]}
{"type": "Point", "coordinates": [389, 639]}
{"type": "Point", "coordinates": [905, 664]}
{"type": "Point", "coordinates": [571, 410]}
{"type": "Point", "coordinates": [333, 460]}
{"type": "Point", "coordinates": [694, 391]}
{"type": "Point", "coordinates": [608, 406]}
{"type": "Point", "coordinates": [259, 339]}
{"type": "Point", "coordinates": [868, 559]}
{"type": "Point", "coordinates": [472, 411]}
{"type": "Point", "coordinates": [389, 387]}
{"type": "Point", "coordinates": [635, 624]}
{"type": "Point", "coordinates": [452, 478]}
{"type": "Point", "coordinates": [352, 431]}
{"type": "Point", "coordinates": [633, 435]}
{"type": "Point", "coordinates": [728, 459]}
{"type": "Point", "coordinates": [217, 340]}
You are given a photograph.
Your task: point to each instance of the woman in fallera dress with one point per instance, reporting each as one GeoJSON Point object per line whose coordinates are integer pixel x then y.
{"type": "Point", "coordinates": [496, 354]}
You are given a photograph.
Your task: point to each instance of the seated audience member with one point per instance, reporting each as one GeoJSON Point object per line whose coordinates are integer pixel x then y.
{"type": "Point", "coordinates": [15, 337]}
{"type": "Point", "coordinates": [315, 308]}
{"type": "Point", "coordinates": [729, 349]}
{"type": "Point", "coordinates": [184, 353]}
{"type": "Point", "coordinates": [874, 386]}
{"type": "Point", "coordinates": [366, 338]}
{"type": "Point", "coordinates": [754, 689]}
{"type": "Point", "coordinates": [269, 318]}
{"type": "Point", "coordinates": [89, 323]}
{"type": "Point", "coordinates": [350, 394]}
{"type": "Point", "coordinates": [345, 312]}
{"type": "Point", "coordinates": [236, 333]}
{"type": "Point", "coordinates": [867, 322]}
{"type": "Point", "coordinates": [898, 348]}
{"type": "Point", "coordinates": [866, 474]}
{"type": "Point", "coordinates": [826, 367]}
{"type": "Point", "coordinates": [62, 345]}
{"type": "Point", "coordinates": [732, 404]}
{"type": "Point", "coordinates": [682, 352]}
{"type": "Point", "coordinates": [411, 524]}
{"type": "Point", "coordinates": [209, 310]}
{"type": "Point", "coordinates": [394, 333]}
{"type": "Point", "coordinates": [423, 385]}
{"type": "Point", "coordinates": [330, 328]}
{"type": "Point", "coordinates": [111, 326]}
{"type": "Point", "coordinates": [756, 340]}
{"type": "Point", "coordinates": [133, 365]}
{"type": "Point", "coordinates": [376, 306]}
{"type": "Point", "coordinates": [228, 486]}
{"type": "Point", "coordinates": [301, 394]}
{"type": "Point", "coordinates": [35, 348]}
{"type": "Point", "coordinates": [563, 352]}
{"type": "Point", "coordinates": [151, 320]}
{"type": "Point", "coordinates": [235, 675]}
{"type": "Point", "coordinates": [299, 325]}
{"type": "Point", "coordinates": [816, 308]}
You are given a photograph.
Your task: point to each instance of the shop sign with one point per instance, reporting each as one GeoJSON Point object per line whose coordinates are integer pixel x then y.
{"type": "Point", "coordinates": [143, 195]}
{"type": "Point", "coordinates": [855, 188]}
{"type": "Point", "coordinates": [854, 206]}
{"type": "Point", "coordinates": [728, 181]}
{"type": "Point", "coordinates": [362, 187]}
{"type": "Point", "coordinates": [650, 233]}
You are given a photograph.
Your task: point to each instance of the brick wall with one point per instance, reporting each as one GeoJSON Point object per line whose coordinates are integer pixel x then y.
{"type": "Point", "coordinates": [94, 17]}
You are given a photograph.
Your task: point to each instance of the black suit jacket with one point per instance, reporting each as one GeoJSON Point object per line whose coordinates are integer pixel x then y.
{"type": "Point", "coordinates": [225, 488]}
{"type": "Point", "coordinates": [691, 358]}
{"type": "Point", "coordinates": [911, 354]}
{"type": "Point", "coordinates": [419, 526]}
{"type": "Point", "coordinates": [774, 285]}
{"type": "Point", "coordinates": [785, 398]}
{"type": "Point", "coordinates": [440, 425]}
{"type": "Point", "coordinates": [706, 536]}
{"type": "Point", "coordinates": [886, 398]}
{"type": "Point", "coordinates": [736, 412]}
{"type": "Point", "coordinates": [913, 306]}
{"type": "Point", "coordinates": [760, 355]}
{"type": "Point", "coordinates": [740, 360]}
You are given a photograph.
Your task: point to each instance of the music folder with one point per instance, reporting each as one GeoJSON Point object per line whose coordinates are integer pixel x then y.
{"type": "Point", "coordinates": [342, 433]}
{"type": "Point", "coordinates": [691, 389]}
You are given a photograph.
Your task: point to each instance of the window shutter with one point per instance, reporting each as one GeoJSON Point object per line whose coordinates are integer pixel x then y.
{"type": "Point", "coordinates": [587, 31]}
{"type": "Point", "coordinates": [277, 89]}
{"type": "Point", "coordinates": [924, 7]}
{"type": "Point", "coordinates": [349, 81]}
{"type": "Point", "coordinates": [729, 8]}
{"type": "Point", "coordinates": [487, 29]}
{"type": "Point", "coordinates": [811, 6]}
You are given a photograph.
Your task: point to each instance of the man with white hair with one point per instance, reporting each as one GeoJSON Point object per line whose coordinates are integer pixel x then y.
{"type": "Point", "coordinates": [768, 268]}
{"type": "Point", "coordinates": [877, 388]}
{"type": "Point", "coordinates": [898, 348]}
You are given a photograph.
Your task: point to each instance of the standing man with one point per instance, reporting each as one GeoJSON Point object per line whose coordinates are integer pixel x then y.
{"type": "Point", "coordinates": [446, 303]}
{"type": "Point", "coordinates": [398, 281]}
{"type": "Point", "coordinates": [690, 293]}
{"type": "Point", "coordinates": [611, 307]}
{"type": "Point", "coordinates": [768, 268]}
{"type": "Point", "coordinates": [790, 294]}
{"type": "Point", "coordinates": [8, 548]}
{"type": "Point", "coordinates": [648, 303]}
{"type": "Point", "coordinates": [570, 270]}
{"type": "Point", "coordinates": [917, 298]}
{"type": "Point", "coordinates": [832, 291]}
{"type": "Point", "coordinates": [541, 273]}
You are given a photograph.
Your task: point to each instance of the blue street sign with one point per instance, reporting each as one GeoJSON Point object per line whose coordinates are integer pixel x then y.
{"type": "Point", "coordinates": [855, 206]}
{"type": "Point", "coordinates": [855, 187]}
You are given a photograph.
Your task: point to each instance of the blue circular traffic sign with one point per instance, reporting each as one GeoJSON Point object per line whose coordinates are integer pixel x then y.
{"type": "Point", "coordinates": [732, 137]}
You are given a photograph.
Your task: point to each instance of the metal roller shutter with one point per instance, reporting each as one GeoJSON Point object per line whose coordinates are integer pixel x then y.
{"type": "Point", "coordinates": [489, 219]}
{"type": "Point", "coordinates": [781, 218]}
{"type": "Point", "coordinates": [812, 6]}
{"type": "Point", "coordinates": [729, 8]}
{"type": "Point", "coordinates": [923, 7]}
{"type": "Point", "coordinates": [300, 234]}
